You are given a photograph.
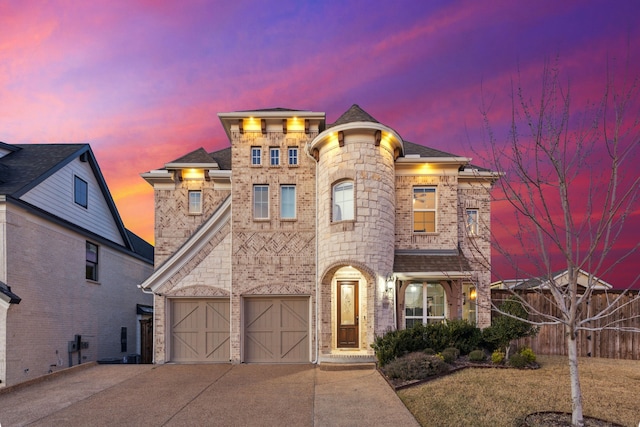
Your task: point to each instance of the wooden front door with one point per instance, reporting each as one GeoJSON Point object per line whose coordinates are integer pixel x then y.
{"type": "Point", "coordinates": [348, 314]}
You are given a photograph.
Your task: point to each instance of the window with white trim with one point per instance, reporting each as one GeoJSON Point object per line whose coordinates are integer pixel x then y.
{"type": "Point", "coordinates": [91, 270]}
{"type": "Point", "coordinates": [424, 210]}
{"type": "Point", "coordinates": [293, 156]}
{"type": "Point", "coordinates": [261, 202]}
{"type": "Point", "coordinates": [256, 156]}
{"type": "Point", "coordinates": [287, 202]}
{"type": "Point", "coordinates": [80, 191]}
{"type": "Point", "coordinates": [424, 303]}
{"type": "Point", "coordinates": [472, 222]}
{"type": "Point", "coordinates": [195, 202]}
{"type": "Point", "coordinates": [274, 156]}
{"type": "Point", "coordinates": [343, 201]}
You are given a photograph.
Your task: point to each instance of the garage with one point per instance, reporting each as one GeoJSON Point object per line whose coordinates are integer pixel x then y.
{"type": "Point", "coordinates": [200, 330]}
{"type": "Point", "coordinates": [276, 329]}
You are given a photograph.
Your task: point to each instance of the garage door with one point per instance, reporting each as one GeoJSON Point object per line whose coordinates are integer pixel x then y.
{"type": "Point", "coordinates": [200, 330]}
{"type": "Point", "coordinates": [276, 330]}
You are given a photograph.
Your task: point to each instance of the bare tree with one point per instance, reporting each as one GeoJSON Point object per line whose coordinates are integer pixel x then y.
{"type": "Point", "coordinates": [571, 178]}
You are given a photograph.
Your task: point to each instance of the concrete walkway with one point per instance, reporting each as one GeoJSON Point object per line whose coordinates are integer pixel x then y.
{"type": "Point", "coordinates": [221, 395]}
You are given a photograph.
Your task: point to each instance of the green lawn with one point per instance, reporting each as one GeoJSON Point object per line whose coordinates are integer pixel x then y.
{"type": "Point", "coordinates": [499, 397]}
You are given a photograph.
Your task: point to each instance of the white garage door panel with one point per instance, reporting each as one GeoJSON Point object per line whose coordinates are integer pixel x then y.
{"type": "Point", "coordinates": [200, 330]}
{"type": "Point", "coordinates": [276, 330]}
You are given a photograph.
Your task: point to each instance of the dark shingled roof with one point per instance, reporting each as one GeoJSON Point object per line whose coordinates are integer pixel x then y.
{"type": "Point", "coordinates": [7, 295]}
{"type": "Point", "coordinates": [411, 148]}
{"type": "Point", "coordinates": [353, 114]}
{"type": "Point", "coordinates": [30, 164]}
{"type": "Point", "coordinates": [223, 158]}
{"type": "Point", "coordinates": [423, 261]}
{"type": "Point", "coordinates": [196, 156]}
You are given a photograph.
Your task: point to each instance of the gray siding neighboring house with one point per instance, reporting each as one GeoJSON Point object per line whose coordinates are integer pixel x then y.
{"type": "Point", "coordinates": [68, 266]}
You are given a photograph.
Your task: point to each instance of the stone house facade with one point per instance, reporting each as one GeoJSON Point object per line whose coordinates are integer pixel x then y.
{"type": "Point", "coordinates": [69, 269]}
{"type": "Point", "coordinates": [303, 241]}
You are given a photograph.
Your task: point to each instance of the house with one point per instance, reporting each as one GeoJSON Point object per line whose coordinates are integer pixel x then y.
{"type": "Point", "coordinates": [68, 266]}
{"type": "Point", "coordinates": [302, 241]}
{"type": "Point", "coordinates": [560, 278]}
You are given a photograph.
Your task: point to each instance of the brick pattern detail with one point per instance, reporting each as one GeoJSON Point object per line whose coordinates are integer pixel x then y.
{"type": "Point", "coordinates": [273, 256]}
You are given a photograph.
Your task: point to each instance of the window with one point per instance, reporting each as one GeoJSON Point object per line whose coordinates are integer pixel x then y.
{"type": "Point", "coordinates": [293, 156]}
{"type": "Point", "coordinates": [256, 156]}
{"type": "Point", "coordinates": [472, 222]}
{"type": "Point", "coordinates": [424, 303]}
{"type": "Point", "coordinates": [424, 210]}
{"type": "Point", "coordinates": [261, 201]}
{"type": "Point", "coordinates": [469, 298]}
{"type": "Point", "coordinates": [287, 202]}
{"type": "Point", "coordinates": [343, 201]}
{"type": "Point", "coordinates": [195, 202]}
{"type": "Point", "coordinates": [92, 262]}
{"type": "Point", "coordinates": [80, 191]}
{"type": "Point", "coordinates": [274, 156]}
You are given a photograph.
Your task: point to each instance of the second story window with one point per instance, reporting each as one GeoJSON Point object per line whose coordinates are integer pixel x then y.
{"type": "Point", "coordinates": [293, 156]}
{"type": "Point", "coordinates": [274, 156]}
{"type": "Point", "coordinates": [472, 222]}
{"type": "Point", "coordinates": [256, 156]}
{"type": "Point", "coordinates": [80, 191]}
{"type": "Point", "coordinates": [343, 201]}
{"type": "Point", "coordinates": [287, 202]}
{"type": "Point", "coordinates": [424, 210]}
{"type": "Point", "coordinates": [261, 202]}
{"type": "Point", "coordinates": [91, 272]}
{"type": "Point", "coordinates": [195, 202]}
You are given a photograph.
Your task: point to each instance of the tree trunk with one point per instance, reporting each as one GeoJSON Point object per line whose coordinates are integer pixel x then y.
{"type": "Point", "coordinates": [576, 393]}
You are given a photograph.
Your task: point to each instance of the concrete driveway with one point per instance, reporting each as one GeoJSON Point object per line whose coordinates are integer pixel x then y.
{"type": "Point", "coordinates": [224, 395]}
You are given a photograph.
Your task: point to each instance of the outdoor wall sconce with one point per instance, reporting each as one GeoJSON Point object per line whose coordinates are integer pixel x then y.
{"type": "Point", "coordinates": [263, 126]}
{"type": "Point", "coordinates": [306, 126]}
{"type": "Point", "coordinates": [284, 126]}
{"type": "Point", "coordinates": [378, 136]}
{"type": "Point", "coordinates": [241, 126]}
{"type": "Point", "coordinates": [341, 139]}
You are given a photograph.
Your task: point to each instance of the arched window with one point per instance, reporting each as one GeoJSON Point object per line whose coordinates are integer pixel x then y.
{"type": "Point", "coordinates": [424, 303]}
{"type": "Point", "coordinates": [342, 196]}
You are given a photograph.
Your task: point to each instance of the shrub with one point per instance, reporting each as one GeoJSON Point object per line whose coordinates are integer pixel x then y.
{"type": "Point", "coordinates": [497, 357]}
{"type": "Point", "coordinates": [528, 354]}
{"type": "Point", "coordinates": [518, 361]}
{"type": "Point", "coordinates": [477, 356]}
{"type": "Point", "coordinates": [463, 335]}
{"type": "Point", "coordinates": [415, 366]}
{"type": "Point", "coordinates": [450, 354]}
{"type": "Point", "coordinates": [429, 351]}
{"type": "Point", "coordinates": [505, 329]}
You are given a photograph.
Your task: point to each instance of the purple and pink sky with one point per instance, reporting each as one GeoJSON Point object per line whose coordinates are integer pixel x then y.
{"type": "Point", "coordinates": [142, 81]}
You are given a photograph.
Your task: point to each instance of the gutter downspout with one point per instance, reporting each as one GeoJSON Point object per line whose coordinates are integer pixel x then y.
{"type": "Point", "coordinates": [316, 341]}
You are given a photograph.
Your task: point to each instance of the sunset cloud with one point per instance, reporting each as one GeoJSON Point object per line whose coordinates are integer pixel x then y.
{"type": "Point", "coordinates": [142, 81]}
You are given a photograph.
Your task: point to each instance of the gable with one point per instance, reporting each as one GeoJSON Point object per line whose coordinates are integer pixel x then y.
{"type": "Point", "coordinates": [55, 195]}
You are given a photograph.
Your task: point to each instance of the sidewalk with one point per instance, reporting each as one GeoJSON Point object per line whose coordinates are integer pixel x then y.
{"type": "Point", "coordinates": [225, 395]}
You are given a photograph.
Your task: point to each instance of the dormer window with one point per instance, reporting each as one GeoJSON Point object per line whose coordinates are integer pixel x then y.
{"type": "Point", "coordinates": [80, 191]}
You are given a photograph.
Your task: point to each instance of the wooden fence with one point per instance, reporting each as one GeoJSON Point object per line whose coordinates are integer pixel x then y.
{"type": "Point", "coordinates": [614, 344]}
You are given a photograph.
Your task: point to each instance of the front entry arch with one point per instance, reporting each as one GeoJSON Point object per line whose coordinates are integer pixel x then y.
{"type": "Point", "coordinates": [348, 314]}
